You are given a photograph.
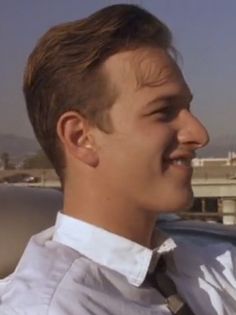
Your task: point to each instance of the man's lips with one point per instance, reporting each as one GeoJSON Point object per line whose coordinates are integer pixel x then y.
{"type": "Point", "coordinates": [183, 159]}
{"type": "Point", "coordinates": [181, 162]}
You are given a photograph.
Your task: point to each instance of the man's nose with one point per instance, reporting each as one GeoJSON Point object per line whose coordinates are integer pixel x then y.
{"type": "Point", "coordinates": [192, 131]}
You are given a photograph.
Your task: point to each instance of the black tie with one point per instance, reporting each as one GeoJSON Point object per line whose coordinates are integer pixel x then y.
{"type": "Point", "coordinates": [165, 285]}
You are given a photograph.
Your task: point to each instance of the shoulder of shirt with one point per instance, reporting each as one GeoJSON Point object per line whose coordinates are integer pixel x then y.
{"type": "Point", "coordinates": [40, 272]}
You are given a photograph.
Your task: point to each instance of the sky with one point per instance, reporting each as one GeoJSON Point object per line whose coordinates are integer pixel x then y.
{"type": "Point", "coordinates": [204, 33]}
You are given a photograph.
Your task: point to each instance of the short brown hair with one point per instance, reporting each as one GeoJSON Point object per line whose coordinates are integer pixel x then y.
{"type": "Point", "coordinates": [64, 70]}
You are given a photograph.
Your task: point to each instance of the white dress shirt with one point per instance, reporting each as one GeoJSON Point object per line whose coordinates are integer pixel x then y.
{"type": "Point", "coordinates": [76, 268]}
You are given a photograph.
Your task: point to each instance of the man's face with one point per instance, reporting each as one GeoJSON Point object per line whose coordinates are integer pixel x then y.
{"type": "Point", "coordinates": [146, 160]}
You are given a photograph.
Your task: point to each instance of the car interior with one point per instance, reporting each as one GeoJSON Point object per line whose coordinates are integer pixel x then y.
{"type": "Point", "coordinates": [25, 211]}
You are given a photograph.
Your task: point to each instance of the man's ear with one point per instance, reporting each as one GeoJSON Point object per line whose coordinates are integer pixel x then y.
{"type": "Point", "coordinates": [74, 132]}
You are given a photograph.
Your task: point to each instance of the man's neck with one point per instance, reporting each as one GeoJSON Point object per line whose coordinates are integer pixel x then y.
{"type": "Point", "coordinates": [115, 216]}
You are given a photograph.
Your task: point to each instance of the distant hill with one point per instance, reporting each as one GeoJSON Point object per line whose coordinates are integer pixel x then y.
{"type": "Point", "coordinates": [17, 146]}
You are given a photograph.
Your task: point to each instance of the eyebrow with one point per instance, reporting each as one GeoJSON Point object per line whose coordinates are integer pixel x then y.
{"type": "Point", "coordinates": [181, 98]}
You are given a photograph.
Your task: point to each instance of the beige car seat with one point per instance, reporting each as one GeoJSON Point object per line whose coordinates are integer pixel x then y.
{"type": "Point", "coordinates": [24, 211]}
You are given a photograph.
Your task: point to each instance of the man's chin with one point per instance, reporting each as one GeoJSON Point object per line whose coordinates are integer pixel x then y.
{"type": "Point", "coordinates": [181, 201]}
{"type": "Point", "coordinates": [177, 202]}
{"type": "Point", "coordinates": [185, 204]}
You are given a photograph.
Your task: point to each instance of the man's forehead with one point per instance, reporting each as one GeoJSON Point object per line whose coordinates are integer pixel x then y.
{"type": "Point", "coordinates": [155, 69]}
{"type": "Point", "coordinates": [145, 67]}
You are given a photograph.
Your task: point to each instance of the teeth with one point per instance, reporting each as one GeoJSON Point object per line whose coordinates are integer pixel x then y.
{"type": "Point", "coordinates": [185, 162]}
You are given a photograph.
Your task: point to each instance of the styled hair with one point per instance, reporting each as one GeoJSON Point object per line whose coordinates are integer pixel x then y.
{"type": "Point", "coordinates": [64, 72]}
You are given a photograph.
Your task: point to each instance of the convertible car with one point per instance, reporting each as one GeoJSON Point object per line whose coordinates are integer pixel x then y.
{"type": "Point", "coordinates": [25, 211]}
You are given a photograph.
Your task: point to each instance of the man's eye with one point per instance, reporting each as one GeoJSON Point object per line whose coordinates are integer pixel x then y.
{"type": "Point", "coordinates": [166, 113]}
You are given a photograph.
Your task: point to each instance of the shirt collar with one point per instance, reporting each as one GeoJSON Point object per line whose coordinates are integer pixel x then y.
{"type": "Point", "coordinates": [110, 250]}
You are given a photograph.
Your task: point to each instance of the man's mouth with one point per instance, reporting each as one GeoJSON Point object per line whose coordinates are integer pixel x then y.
{"type": "Point", "coordinates": [187, 162]}
{"type": "Point", "coordinates": [180, 159]}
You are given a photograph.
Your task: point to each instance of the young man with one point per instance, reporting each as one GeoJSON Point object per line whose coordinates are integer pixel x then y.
{"type": "Point", "coordinates": [110, 107]}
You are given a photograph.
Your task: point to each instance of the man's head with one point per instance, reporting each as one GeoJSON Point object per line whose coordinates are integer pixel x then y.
{"type": "Point", "coordinates": [107, 100]}
{"type": "Point", "coordinates": [65, 70]}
